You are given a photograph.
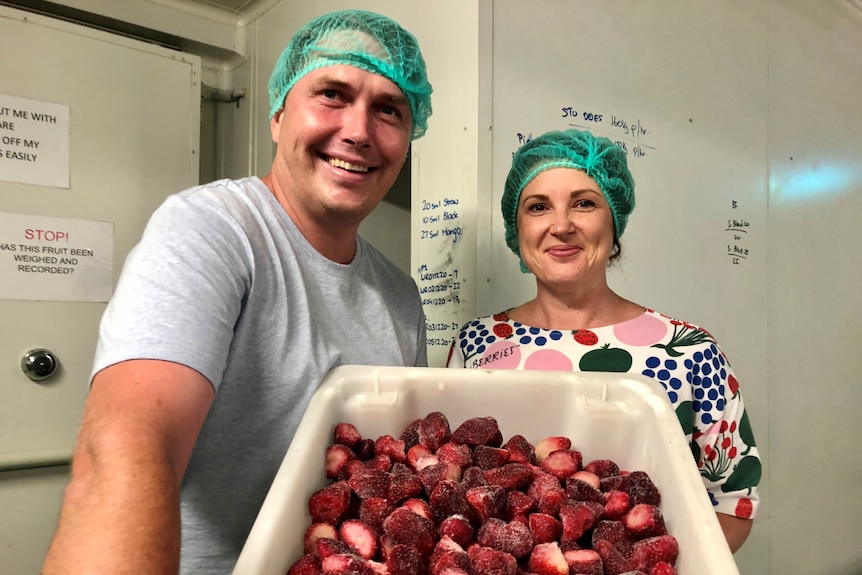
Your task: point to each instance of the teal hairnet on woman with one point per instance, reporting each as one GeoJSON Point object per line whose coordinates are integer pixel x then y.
{"type": "Point", "coordinates": [566, 202]}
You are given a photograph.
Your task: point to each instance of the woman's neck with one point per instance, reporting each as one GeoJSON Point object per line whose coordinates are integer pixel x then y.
{"type": "Point", "coordinates": [554, 310]}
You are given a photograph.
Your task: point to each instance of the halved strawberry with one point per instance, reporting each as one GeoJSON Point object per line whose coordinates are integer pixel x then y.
{"type": "Point", "coordinates": [314, 532]}
{"type": "Point", "coordinates": [645, 520]}
{"type": "Point", "coordinates": [646, 553]}
{"type": "Point", "coordinates": [520, 450]}
{"type": "Point", "coordinates": [458, 528]}
{"type": "Point", "coordinates": [486, 457]}
{"type": "Point", "coordinates": [577, 517]}
{"type": "Point", "coordinates": [547, 559]}
{"type": "Point", "coordinates": [584, 562]}
{"type": "Point", "coordinates": [562, 463]}
{"type": "Point", "coordinates": [434, 430]}
{"type": "Point", "coordinates": [337, 456]}
{"type": "Point", "coordinates": [617, 504]}
{"type": "Point", "coordinates": [549, 444]}
{"type": "Point", "coordinates": [603, 467]}
{"type": "Point", "coordinates": [360, 537]}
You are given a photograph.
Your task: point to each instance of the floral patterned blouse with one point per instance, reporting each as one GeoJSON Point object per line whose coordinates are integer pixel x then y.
{"type": "Point", "coordinates": [685, 359]}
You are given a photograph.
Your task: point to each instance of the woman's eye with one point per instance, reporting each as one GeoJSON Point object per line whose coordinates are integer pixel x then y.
{"type": "Point", "coordinates": [585, 204]}
{"type": "Point", "coordinates": [536, 208]}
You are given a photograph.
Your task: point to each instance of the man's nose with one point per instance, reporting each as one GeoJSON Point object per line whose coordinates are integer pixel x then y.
{"type": "Point", "coordinates": [356, 126]}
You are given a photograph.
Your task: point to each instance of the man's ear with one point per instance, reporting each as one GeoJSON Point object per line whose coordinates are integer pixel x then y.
{"type": "Point", "coordinates": [275, 125]}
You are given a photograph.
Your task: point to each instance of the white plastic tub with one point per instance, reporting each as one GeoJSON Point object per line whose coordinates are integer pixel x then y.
{"type": "Point", "coordinates": [623, 417]}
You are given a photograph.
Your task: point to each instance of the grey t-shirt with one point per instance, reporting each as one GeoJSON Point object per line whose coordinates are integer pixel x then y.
{"type": "Point", "coordinates": [223, 282]}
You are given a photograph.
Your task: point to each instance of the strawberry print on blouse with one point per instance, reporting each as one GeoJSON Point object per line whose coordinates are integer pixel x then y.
{"type": "Point", "coordinates": [684, 358]}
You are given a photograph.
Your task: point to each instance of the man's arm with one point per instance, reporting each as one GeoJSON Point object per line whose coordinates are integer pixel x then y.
{"type": "Point", "coordinates": [121, 509]}
{"type": "Point", "coordinates": [736, 530]}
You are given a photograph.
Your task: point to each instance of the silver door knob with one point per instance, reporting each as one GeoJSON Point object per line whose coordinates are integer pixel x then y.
{"type": "Point", "coordinates": [39, 364]}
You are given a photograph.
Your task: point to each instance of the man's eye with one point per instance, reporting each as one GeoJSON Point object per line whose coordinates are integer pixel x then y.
{"type": "Point", "coordinates": [389, 110]}
{"type": "Point", "coordinates": [330, 94]}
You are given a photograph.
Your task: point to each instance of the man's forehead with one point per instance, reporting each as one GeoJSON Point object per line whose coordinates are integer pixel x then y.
{"type": "Point", "coordinates": [349, 77]}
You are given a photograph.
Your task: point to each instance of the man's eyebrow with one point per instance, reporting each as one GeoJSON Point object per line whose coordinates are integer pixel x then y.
{"type": "Point", "coordinates": [331, 82]}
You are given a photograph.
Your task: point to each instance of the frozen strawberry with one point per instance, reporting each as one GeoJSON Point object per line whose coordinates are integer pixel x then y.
{"type": "Point", "coordinates": [613, 483]}
{"type": "Point", "coordinates": [473, 477]}
{"type": "Point", "coordinates": [646, 553]}
{"type": "Point", "coordinates": [418, 506]}
{"type": "Point", "coordinates": [394, 448]}
{"type": "Point", "coordinates": [368, 482]}
{"type": "Point", "coordinates": [549, 444]}
{"type": "Point", "coordinates": [403, 526]}
{"type": "Point", "coordinates": [615, 563]}
{"type": "Point", "coordinates": [343, 564]}
{"type": "Point", "coordinates": [519, 503]}
{"type": "Point", "coordinates": [417, 452]}
{"type": "Point", "coordinates": [487, 501]}
{"type": "Point", "coordinates": [458, 528]}
{"type": "Point", "coordinates": [587, 477]}
{"type": "Point", "coordinates": [326, 546]}
{"type": "Point", "coordinates": [562, 463]}
{"type": "Point", "coordinates": [488, 561]}
{"type": "Point", "coordinates": [615, 533]}
{"type": "Point", "coordinates": [645, 520]}
{"type": "Point", "coordinates": [541, 483]}
{"type": "Point", "coordinates": [641, 489]}
{"type": "Point", "coordinates": [375, 568]}
{"type": "Point", "coordinates": [547, 559]}
{"type": "Point", "coordinates": [487, 457]}
{"type": "Point", "coordinates": [513, 537]}
{"type": "Point", "coordinates": [404, 559]}
{"type": "Point", "coordinates": [314, 532]}
{"type": "Point", "coordinates": [566, 546]}
{"type": "Point", "coordinates": [365, 450]}
{"type": "Point", "coordinates": [360, 537]}
{"type": "Point", "coordinates": [452, 571]}
{"type": "Point", "coordinates": [582, 491]}
{"type": "Point", "coordinates": [373, 511]}
{"type": "Point", "coordinates": [520, 450]}
{"type": "Point", "coordinates": [602, 467]}
{"type": "Point", "coordinates": [403, 486]}
{"type": "Point", "coordinates": [550, 502]}
{"type": "Point", "coordinates": [350, 467]}
{"type": "Point", "coordinates": [448, 498]}
{"type": "Point", "coordinates": [617, 504]}
{"type": "Point", "coordinates": [584, 562]}
{"type": "Point", "coordinates": [329, 504]}
{"type": "Point", "coordinates": [399, 468]}
{"type": "Point", "coordinates": [410, 435]}
{"type": "Point", "coordinates": [434, 430]}
{"type": "Point", "coordinates": [577, 518]}
{"type": "Point", "coordinates": [426, 461]}
{"type": "Point", "coordinates": [476, 431]}
{"type": "Point", "coordinates": [379, 462]}
{"type": "Point", "coordinates": [452, 561]}
{"type": "Point", "coordinates": [336, 456]}
{"type": "Point", "coordinates": [497, 440]}
{"type": "Point", "coordinates": [661, 568]}
{"type": "Point", "coordinates": [306, 565]}
{"type": "Point", "coordinates": [545, 528]}
{"type": "Point", "coordinates": [347, 434]}
{"type": "Point", "coordinates": [444, 545]}
{"type": "Point", "coordinates": [510, 476]}
{"type": "Point", "coordinates": [452, 452]}
{"type": "Point", "coordinates": [433, 474]}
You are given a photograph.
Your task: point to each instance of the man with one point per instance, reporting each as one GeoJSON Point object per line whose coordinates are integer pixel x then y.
{"type": "Point", "coordinates": [239, 298]}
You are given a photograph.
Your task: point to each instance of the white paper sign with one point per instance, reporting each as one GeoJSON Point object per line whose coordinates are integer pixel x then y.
{"type": "Point", "coordinates": [55, 259]}
{"type": "Point", "coordinates": [34, 142]}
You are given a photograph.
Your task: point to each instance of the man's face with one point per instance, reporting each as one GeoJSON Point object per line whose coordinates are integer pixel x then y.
{"type": "Point", "coordinates": [342, 139]}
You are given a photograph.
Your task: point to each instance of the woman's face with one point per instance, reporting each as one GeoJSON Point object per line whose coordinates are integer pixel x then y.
{"type": "Point", "coordinates": [565, 228]}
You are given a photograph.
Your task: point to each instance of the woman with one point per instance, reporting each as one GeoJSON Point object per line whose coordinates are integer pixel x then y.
{"type": "Point", "coordinates": [566, 202]}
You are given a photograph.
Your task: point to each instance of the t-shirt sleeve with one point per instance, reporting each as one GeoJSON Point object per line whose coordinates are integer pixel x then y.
{"type": "Point", "coordinates": [180, 291]}
{"type": "Point", "coordinates": [726, 452]}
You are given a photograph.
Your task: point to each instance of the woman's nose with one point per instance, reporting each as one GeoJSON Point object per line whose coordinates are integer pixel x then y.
{"type": "Point", "coordinates": [562, 224]}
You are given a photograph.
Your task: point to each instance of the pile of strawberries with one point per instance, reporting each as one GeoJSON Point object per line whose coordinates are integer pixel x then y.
{"type": "Point", "coordinates": [438, 502]}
